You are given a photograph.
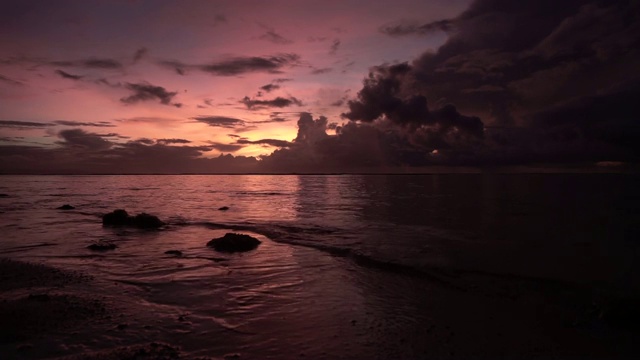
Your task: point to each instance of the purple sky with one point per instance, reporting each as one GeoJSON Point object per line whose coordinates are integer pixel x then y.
{"type": "Point", "coordinates": [295, 86]}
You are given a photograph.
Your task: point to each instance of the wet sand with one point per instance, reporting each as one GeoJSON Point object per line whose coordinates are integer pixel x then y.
{"type": "Point", "coordinates": [53, 313]}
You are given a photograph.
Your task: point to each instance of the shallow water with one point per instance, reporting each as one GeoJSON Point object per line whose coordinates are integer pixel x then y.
{"type": "Point", "coordinates": [347, 262]}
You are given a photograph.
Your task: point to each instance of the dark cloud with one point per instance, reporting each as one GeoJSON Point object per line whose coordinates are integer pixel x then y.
{"type": "Point", "coordinates": [278, 102]}
{"type": "Point", "coordinates": [146, 92]}
{"type": "Point", "coordinates": [139, 54]}
{"type": "Point", "coordinates": [225, 147]}
{"type": "Point", "coordinates": [220, 121]}
{"type": "Point", "coordinates": [414, 29]}
{"type": "Point", "coordinates": [269, 142]}
{"type": "Point", "coordinates": [173, 141]}
{"type": "Point", "coordinates": [275, 38]}
{"type": "Point", "coordinates": [66, 75]}
{"type": "Point", "coordinates": [334, 46]}
{"type": "Point", "coordinates": [241, 65]}
{"type": "Point", "coordinates": [281, 80]}
{"type": "Point", "coordinates": [145, 141]}
{"type": "Point", "coordinates": [23, 125]}
{"type": "Point", "coordinates": [110, 135]}
{"type": "Point", "coordinates": [79, 123]}
{"type": "Point", "coordinates": [86, 153]}
{"type": "Point", "coordinates": [552, 83]}
{"type": "Point", "coordinates": [237, 65]}
{"type": "Point", "coordinates": [321, 71]}
{"type": "Point", "coordinates": [102, 64]}
{"type": "Point", "coordinates": [383, 97]}
{"type": "Point", "coordinates": [273, 118]}
{"type": "Point", "coordinates": [80, 139]}
{"type": "Point", "coordinates": [270, 87]}
{"type": "Point", "coordinates": [90, 63]}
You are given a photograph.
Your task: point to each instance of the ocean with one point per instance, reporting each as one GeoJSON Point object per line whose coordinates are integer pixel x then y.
{"type": "Point", "coordinates": [350, 266]}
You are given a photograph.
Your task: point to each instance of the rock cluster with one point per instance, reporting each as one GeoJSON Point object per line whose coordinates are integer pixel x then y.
{"type": "Point", "coordinates": [122, 218]}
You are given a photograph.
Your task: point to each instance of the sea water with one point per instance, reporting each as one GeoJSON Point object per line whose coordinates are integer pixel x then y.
{"type": "Point", "coordinates": [338, 251]}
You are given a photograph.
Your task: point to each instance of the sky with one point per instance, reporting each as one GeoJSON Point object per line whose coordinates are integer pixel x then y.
{"type": "Point", "coordinates": [161, 86]}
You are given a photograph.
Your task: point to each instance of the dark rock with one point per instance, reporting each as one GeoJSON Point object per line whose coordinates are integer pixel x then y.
{"type": "Point", "coordinates": [146, 221]}
{"type": "Point", "coordinates": [232, 242]}
{"type": "Point", "coordinates": [116, 218]}
{"type": "Point", "coordinates": [122, 218]}
{"type": "Point", "coordinates": [102, 246]}
{"type": "Point", "coordinates": [65, 207]}
{"type": "Point", "coordinates": [224, 208]}
{"type": "Point", "coordinates": [173, 252]}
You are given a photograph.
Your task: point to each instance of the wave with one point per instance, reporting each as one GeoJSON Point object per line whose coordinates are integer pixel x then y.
{"type": "Point", "coordinates": [299, 235]}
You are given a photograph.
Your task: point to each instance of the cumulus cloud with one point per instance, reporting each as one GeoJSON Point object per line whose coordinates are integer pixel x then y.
{"type": "Point", "coordinates": [553, 85]}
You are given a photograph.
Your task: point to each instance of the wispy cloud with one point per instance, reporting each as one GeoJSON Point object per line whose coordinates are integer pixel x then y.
{"type": "Point", "coordinates": [10, 80]}
{"type": "Point", "coordinates": [146, 92]}
{"type": "Point", "coordinates": [275, 38]}
{"type": "Point", "coordinates": [66, 75]}
{"type": "Point", "coordinates": [90, 63]}
{"type": "Point", "coordinates": [278, 102]}
{"type": "Point", "coordinates": [220, 121]}
{"type": "Point", "coordinates": [23, 125]}
{"type": "Point", "coordinates": [237, 65]}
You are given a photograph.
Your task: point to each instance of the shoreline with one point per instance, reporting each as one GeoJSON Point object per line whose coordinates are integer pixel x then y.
{"type": "Point", "coordinates": [62, 314]}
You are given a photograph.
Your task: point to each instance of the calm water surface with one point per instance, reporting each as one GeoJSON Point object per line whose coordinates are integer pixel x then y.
{"type": "Point", "coordinates": [336, 250]}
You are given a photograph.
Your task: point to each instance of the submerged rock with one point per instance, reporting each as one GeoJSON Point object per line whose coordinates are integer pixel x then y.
{"type": "Point", "coordinates": [224, 208]}
{"type": "Point", "coordinates": [102, 246]}
{"type": "Point", "coordinates": [173, 252]}
{"type": "Point", "coordinates": [65, 207]}
{"type": "Point", "coordinates": [232, 242]}
{"type": "Point", "coordinates": [122, 218]}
